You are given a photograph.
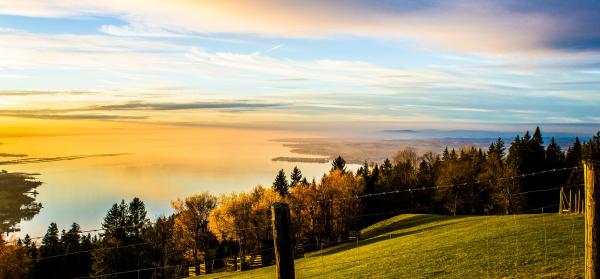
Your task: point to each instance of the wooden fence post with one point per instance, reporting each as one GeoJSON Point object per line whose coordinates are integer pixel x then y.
{"type": "Point", "coordinates": [592, 222]}
{"type": "Point", "coordinates": [282, 237]}
{"type": "Point", "coordinates": [560, 203]}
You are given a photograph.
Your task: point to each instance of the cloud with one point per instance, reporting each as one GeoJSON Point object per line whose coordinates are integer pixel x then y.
{"type": "Point", "coordinates": [490, 26]}
{"type": "Point", "coordinates": [186, 106]}
{"type": "Point", "coordinates": [341, 71]}
{"type": "Point", "coordinates": [25, 114]}
{"type": "Point", "coordinates": [274, 48]}
{"type": "Point", "coordinates": [44, 92]}
{"type": "Point", "coordinates": [97, 112]}
{"type": "Point", "coordinates": [138, 31]}
{"type": "Point", "coordinates": [12, 76]}
{"type": "Point", "coordinates": [54, 159]}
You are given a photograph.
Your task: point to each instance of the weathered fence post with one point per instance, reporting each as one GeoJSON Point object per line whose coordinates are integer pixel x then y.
{"type": "Point", "coordinates": [560, 203]}
{"type": "Point", "coordinates": [592, 222]}
{"type": "Point", "coordinates": [282, 237]}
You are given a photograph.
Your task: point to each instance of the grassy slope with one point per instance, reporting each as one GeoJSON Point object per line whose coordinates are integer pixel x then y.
{"type": "Point", "coordinates": [424, 246]}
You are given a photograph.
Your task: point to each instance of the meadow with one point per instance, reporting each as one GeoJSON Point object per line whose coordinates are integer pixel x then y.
{"type": "Point", "coordinates": [424, 246]}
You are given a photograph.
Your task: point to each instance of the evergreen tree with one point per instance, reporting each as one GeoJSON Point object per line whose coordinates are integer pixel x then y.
{"type": "Point", "coordinates": [554, 155]}
{"type": "Point", "coordinates": [375, 176]}
{"type": "Point", "coordinates": [51, 246]}
{"type": "Point", "coordinates": [339, 164]}
{"type": "Point", "coordinates": [426, 176]}
{"type": "Point", "coordinates": [295, 177]}
{"type": "Point", "coordinates": [573, 158]}
{"type": "Point", "coordinates": [386, 167]}
{"type": "Point", "coordinates": [591, 149]}
{"type": "Point", "coordinates": [70, 240]}
{"type": "Point", "coordinates": [27, 244]}
{"type": "Point", "coordinates": [169, 253]}
{"type": "Point", "coordinates": [445, 154]}
{"type": "Point", "coordinates": [280, 185]}
{"type": "Point", "coordinates": [122, 225]}
{"type": "Point", "coordinates": [537, 136]}
{"type": "Point", "coordinates": [73, 264]}
{"type": "Point", "coordinates": [497, 148]}
{"type": "Point", "coordinates": [304, 181]}
{"type": "Point", "coordinates": [363, 172]}
{"type": "Point", "coordinates": [84, 256]}
{"type": "Point", "coordinates": [536, 147]}
{"type": "Point", "coordinates": [136, 219]}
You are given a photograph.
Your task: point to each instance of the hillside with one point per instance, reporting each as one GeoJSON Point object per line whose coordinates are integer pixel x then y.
{"type": "Point", "coordinates": [424, 246]}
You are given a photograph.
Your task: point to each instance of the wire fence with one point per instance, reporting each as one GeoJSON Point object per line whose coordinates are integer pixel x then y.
{"type": "Point", "coordinates": [355, 258]}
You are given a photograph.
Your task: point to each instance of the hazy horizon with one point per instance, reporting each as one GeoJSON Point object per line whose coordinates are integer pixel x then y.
{"type": "Point", "coordinates": [112, 99]}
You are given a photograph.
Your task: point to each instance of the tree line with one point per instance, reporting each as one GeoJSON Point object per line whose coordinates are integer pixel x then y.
{"type": "Point", "coordinates": [206, 229]}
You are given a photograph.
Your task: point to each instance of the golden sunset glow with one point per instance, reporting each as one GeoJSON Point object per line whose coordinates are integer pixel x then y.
{"type": "Point", "coordinates": [177, 138]}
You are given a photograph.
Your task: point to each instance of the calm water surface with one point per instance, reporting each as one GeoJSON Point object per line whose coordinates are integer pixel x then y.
{"type": "Point", "coordinates": [161, 164]}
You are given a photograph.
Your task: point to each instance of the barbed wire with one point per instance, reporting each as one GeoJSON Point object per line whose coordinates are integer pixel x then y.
{"type": "Point", "coordinates": [397, 191]}
{"type": "Point", "coordinates": [141, 226]}
{"type": "Point", "coordinates": [486, 219]}
{"type": "Point", "coordinates": [268, 249]}
{"type": "Point", "coordinates": [130, 245]}
{"type": "Point", "coordinates": [424, 188]}
{"type": "Point", "coordinates": [319, 201]}
{"type": "Point", "coordinates": [167, 266]}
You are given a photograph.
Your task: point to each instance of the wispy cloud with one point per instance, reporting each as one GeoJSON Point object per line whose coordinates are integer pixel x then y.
{"type": "Point", "coordinates": [274, 48]}
{"type": "Point", "coordinates": [139, 31]}
{"type": "Point", "coordinates": [492, 26]}
{"type": "Point", "coordinates": [45, 92]}
{"type": "Point", "coordinates": [185, 106]}
{"type": "Point", "coordinates": [509, 60]}
{"type": "Point", "coordinates": [25, 114]}
{"type": "Point", "coordinates": [55, 159]}
{"type": "Point", "coordinates": [98, 112]}
{"type": "Point", "coordinates": [13, 76]}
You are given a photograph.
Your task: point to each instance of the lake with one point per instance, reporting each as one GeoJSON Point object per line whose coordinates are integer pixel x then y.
{"type": "Point", "coordinates": [159, 164]}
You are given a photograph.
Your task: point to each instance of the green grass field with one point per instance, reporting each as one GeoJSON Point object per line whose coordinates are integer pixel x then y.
{"type": "Point", "coordinates": [425, 246]}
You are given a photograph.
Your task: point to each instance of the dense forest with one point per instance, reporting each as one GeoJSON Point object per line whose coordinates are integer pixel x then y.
{"type": "Point", "coordinates": [206, 229]}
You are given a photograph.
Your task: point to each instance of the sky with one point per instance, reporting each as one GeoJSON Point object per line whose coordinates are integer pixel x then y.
{"type": "Point", "coordinates": [287, 63]}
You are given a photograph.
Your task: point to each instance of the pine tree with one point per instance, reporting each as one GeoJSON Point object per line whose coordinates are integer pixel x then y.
{"type": "Point", "coordinates": [554, 155]}
{"type": "Point", "coordinates": [339, 164]}
{"type": "Point", "coordinates": [537, 136]}
{"type": "Point", "coordinates": [70, 240]}
{"type": "Point", "coordinates": [137, 219]}
{"type": "Point", "coordinates": [122, 225]}
{"type": "Point", "coordinates": [365, 174]}
{"type": "Point", "coordinates": [280, 185]}
{"type": "Point", "coordinates": [591, 149]}
{"type": "Point", "coordinates": [304, 181]}
{"type": "Point", "coordinates": [85, 257]}
{"type": "Point", "coordinates": [499, 147]}
{"type": "Point", "coordinates": [375, 175]}
{"type": "Point", "coordinates": [295, 177]}
{"type": "Point", "coordinates": [445, 154]}
{"type": "Point", "coordinates": [27, 244]}
{"type": "Point", "coordinates": [573, 157]}
{"type": "Point", "coordinates": [51, 246]}
{"type": "Point", "coordinates": [386, 167]}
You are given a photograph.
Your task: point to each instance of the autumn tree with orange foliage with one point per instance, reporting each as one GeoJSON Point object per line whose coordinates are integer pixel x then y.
{"type": "Point", "coordinates": [14, 262]}
{"type": "Point", "coordinates": [327, 212]}
{"type": "Point", "coordinates": [244, 218]}
{"type": "Point", "coordinates": [190, 230]}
